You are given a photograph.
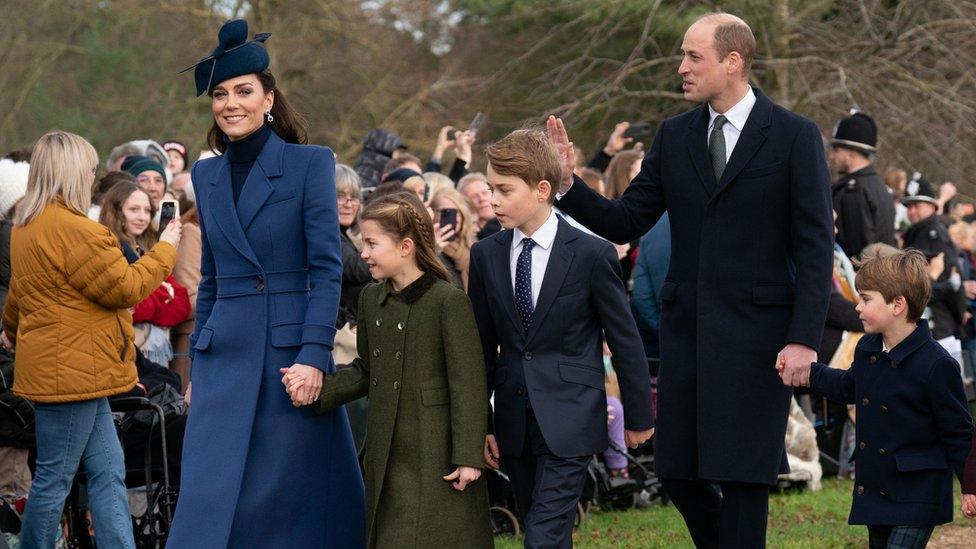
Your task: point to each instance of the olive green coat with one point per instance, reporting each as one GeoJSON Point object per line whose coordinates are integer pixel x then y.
{"type": "Point", "coordinates": [420, 363]}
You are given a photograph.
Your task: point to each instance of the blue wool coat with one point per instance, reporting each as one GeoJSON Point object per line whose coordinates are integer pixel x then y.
{"type": "Point", "coordinates": [913, 428]}
{"type": "Point", "coordinates": [750, 272]}
{"type": "Point", "coordinates": [257, 471]}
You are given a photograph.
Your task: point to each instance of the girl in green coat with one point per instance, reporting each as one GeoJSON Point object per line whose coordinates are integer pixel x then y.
{"type": "Point", "coordinates": [421, 365]}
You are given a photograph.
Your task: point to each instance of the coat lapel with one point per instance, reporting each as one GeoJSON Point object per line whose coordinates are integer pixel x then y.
{"type": "Point", "coordinates": [697, 141]}
{"type": "Point", "coordinates": [750, 140]}
{"type": "Point", "coordinates": [560, 259]}
{"type": "Point", "coordinates": [258, 188]}
{"type": "Point", "coordinates": [502, 273]}
{"type": "Point", "coordinates": [221, 202]}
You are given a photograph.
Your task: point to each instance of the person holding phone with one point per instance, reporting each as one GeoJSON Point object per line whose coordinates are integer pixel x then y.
{"type": "Point", "coordinates": [455, 232]}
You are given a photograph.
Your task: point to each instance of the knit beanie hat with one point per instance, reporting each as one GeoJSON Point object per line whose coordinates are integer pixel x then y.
{"type": "Point", "coordinates": [13, 184]}
{"type": "Point", "coordinates": [135, 165]}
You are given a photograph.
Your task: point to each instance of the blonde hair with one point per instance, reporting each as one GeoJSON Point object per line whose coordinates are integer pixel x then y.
{"type": "Point", "coordinates": [466, 233]}
{"type": "Point", "coordinates": [437, 181]}
{"type": "Point", "coordinates": [62, 165]}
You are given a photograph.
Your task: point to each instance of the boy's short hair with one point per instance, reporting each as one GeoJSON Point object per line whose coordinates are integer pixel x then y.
{"type": "Point", "coordinates": [904, 273]}
{"type": "Point", "coordinates": [529, 155]}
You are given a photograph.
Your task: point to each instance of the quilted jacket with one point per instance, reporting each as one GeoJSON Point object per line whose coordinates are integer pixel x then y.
{"type": "Point", "coordinates": [68, 307]}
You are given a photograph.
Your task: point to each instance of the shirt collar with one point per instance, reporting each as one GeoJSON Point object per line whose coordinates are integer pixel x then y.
{"type": "Point", "coordinates": [739, 113]}
{"type": "Point", "coordinates": [543, 236]}
{"type": "Point", "coordinates": [921, 334]}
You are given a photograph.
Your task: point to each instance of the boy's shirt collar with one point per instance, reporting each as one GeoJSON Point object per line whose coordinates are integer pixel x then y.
{"type": "Point", "coordinates": [909, 345]}
{"type": "Point", "coordinates": [543, 236]}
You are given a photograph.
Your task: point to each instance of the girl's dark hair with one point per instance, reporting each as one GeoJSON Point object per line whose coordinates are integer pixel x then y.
{"type": "Point", "coordinates": [113, 217]}
{"type": "Point", "coordinates": [288, 123]}
{"type": "Point", "coordinates": [402, 215]}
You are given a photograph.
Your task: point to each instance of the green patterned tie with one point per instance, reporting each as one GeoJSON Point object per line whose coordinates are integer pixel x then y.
{"type": "Point", "coordinates": [716, 147]}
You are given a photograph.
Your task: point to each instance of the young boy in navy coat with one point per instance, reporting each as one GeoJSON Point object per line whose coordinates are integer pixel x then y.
{"type": "Point", "coordinates": [544, 294]}
{"type": "Point", "coordinates": [913, 425]}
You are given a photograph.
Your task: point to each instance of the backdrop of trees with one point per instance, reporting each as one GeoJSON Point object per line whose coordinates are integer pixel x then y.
{"type": "Point", "coordinates": [107, 69]}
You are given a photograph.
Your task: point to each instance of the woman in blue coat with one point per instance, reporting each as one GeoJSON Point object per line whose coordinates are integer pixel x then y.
{"type": "Point", "coordinates": [258, 471]}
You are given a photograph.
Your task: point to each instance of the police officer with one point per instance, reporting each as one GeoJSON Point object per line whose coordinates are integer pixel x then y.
{"type": "Point", "coordinates": [864, 205]}
{"type": "Point", "coordinates": [929, 234]}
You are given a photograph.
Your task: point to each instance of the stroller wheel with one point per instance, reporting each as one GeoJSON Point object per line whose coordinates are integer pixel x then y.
{"type": "Point", "coordinates": [580, 515]}
{"type": "Point", "coordinates": [504, 522]}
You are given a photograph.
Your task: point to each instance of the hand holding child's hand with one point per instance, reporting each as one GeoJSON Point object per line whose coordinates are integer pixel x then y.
{"type": "Point", "coordinates": [462, 476]}
{"type": "Point", "coordinates": [969, 505]}
{"type": "Point", "coordinates": [636, 438]}
{"type": "Point", "coordinates": [491, 452]}
{"type": "Point", "coordinates": [303, 383]}
{"type": "Point", "coordinates": [793, 364]}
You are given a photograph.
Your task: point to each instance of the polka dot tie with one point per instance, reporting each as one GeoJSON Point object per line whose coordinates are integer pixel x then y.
{"type": "Point", "coordinates": [523, 283]}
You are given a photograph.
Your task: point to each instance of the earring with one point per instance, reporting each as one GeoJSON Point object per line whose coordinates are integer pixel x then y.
{"type": "Point", "coordinates": [268, 115]}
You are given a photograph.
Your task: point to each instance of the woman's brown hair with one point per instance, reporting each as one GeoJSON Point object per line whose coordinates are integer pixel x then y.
{"type": "Point", "coordinates": [402, 215]}
{"type": "Point", "coordinates": [618, 173]}
{"type": "Point", "coordinates": [288, 123]}
{"type": "Point", "coordinates": [113, 217]}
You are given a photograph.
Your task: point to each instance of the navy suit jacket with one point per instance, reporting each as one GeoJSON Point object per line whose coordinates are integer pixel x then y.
{"type": "Point", "coordinates": [750, 272]}
{"type": "Point", "coordinates": [913, 428]}
{"type": "Point", "coordinates": [557, 367]}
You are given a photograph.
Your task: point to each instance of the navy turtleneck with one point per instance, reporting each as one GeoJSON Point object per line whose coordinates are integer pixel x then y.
{"type": "Point", "coordinates": [242, 154]}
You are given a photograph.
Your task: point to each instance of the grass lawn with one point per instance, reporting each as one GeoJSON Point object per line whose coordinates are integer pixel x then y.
{"type": "Point", "coordinates": [796, 520]}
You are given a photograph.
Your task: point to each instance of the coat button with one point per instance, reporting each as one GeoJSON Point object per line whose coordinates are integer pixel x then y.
{"type": "Point", "coordinates": [396, 385]}
{"type": "Point", "coordinates": [873, 359]}
{"type": "Point", "coordinates": [259, 283]}
{"type": "Point", "coordinates": [862, 445]}
{"type": "Point", "coordinates": [865, 402]}
{"type": "Point", "coordinates": [884, 409]}
{"type": "Point", "coordinates": [520, 391]}
{"type": "Point", "coordinates": [376, 353]}
{"type": "Point", "coordinates": [860, 489]}
{"type": "Point", "coordinates": [527, 356]}
{"type": "Point", "coordinates": [882, 451]}
{"type": "Point", "coordinates": [400, 326]}
{"type": "Point", "coordinates": [399, 355]}
{"type": "Point", "coordinates": [883, 493]}
{"type": "Point", "coordinates": [375, 382]}
{"type": "Point", "coordinates": [379, 322]}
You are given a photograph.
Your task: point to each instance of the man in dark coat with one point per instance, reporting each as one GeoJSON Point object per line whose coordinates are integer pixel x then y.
{"type": "Point", "coordinates": [864, 206]}
{"type": "Point", "coordinates": [929, 234]}
{"type": "Point", "coordinates": [746, 186]}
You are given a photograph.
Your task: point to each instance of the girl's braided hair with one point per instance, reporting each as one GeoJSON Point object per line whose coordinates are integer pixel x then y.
{"type": "Point", "coordinates": [402, 215]}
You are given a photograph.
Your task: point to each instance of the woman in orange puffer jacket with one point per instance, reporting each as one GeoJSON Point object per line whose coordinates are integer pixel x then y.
{"type": "Point", "coordinates": [67, 313]}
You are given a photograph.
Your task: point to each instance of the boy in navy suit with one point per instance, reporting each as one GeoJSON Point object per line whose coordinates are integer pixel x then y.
{"type": "Point", "coordinates": [913, 425]}
{"type": "Point", "coordinates": [544, 295]}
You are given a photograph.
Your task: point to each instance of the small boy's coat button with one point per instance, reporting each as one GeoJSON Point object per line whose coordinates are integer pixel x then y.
{"type": "Point", "coordinates": [865, 401]}
{"type": "Point", "coordinates": [882, 451]}
{"type": "Point", "coordinates": [860, 489]}
{"type": "Point", "coordinates": [527, 356]}
{"type": "Point", "coordinates": [873, 359]}
{"type": "Point", "coordinates": [520, 391]}
{"type": "Point", "coordinates": [883, 493]}
{"type": "Point", "coordinates": [884, 409]}
{"type": "Point", "coordinates": [862, 445]}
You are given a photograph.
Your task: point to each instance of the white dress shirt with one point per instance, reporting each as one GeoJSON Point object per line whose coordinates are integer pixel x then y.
{"type": "Point", "coordinates": [737, 117]}
{"type": "Point", "coordinates": [544, 236]}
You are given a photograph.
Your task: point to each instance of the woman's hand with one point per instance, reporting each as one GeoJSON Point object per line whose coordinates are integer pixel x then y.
{"type": "Point", "coordinates": [186, 397]}
{"type": "Point", "coordinates": [303, 382]}
{"type": "Point", "coordinates": [462, 476]}
{"type": "Point", "coordinates": [969, 505]}
{"type": "Point", "coordinates": [5, 342]}
{"type": "Point", "coordinates": [443, 235]}
{"type": "Point", "coordinates": [462, 146]}
{"type": "Point", "coordinates": [172, 233]}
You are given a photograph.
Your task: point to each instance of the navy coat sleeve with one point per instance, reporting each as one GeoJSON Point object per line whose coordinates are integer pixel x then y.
{"type": "Point", "coordinates": [207, 290]}
{"type": "Point", "coordinates": [948, 400]}
{"type": "Point", "coordinates": [837, 385]}
{"type": "Point", "coordinates": [478, 295]}
{"type": "Point", "coordinates": [633, 214]}
{"type": "Point", "coordinates": [812, 235]}
{"type": "Point", "coordinates": [321, 220]}
{"type": "Point", "coordinates": [609, 299]}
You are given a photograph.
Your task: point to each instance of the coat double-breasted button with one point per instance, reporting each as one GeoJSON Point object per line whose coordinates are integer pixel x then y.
{"type": "Point", "coordinates": [259, 283]}
{"type": "Point", "coordinates": [527, 356]}
{"type": "Point", "coordinates": [884, 409]}
{"type": "Point", "coordinates": [400, 326]}
{"type": "Point", "coordinates": [862, 445]}
{"type": "Point", "coordinates": [865, 401]}
{"type": "Point", "coordinates": [873, 359]}
{"type": "Point", "coordinates": [376, 353]}
{"type": "Point", "coordinates": [882, 451]}
{"type": "Point", "coordinates": [860, 489]}
{"type": "Point", "coordinates": [379, 322]}
{"type": "Point", "coordinates": [375, 382]}
{"type": "Point", "coordinates": [396, 385]}
{"type": "Point", "coordinates": [398, 355]}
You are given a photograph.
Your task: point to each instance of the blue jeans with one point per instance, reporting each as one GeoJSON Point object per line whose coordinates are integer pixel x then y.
{"type": "Point", "coordinates": [70, 434]}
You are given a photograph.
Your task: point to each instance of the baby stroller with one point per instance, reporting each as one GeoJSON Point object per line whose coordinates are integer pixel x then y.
{"type": "Point", "coordinates": [608, 492]}
{"type": "Point", "coordinates": [504, 518]}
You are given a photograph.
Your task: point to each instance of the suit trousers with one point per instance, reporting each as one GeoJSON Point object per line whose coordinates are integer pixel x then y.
{"type": "Point", "coordinates": [547, 489]}
{"type": "Point", "coordinates": [725, 515]}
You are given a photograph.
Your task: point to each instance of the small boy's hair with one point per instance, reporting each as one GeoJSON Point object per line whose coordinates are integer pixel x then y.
{"type": "Point", "coordinates": [528, 155]}
{"type": "Point", "coordinates": [904, 273]}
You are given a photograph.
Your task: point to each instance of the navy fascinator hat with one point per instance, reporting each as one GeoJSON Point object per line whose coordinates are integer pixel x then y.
{"type": "Point", "coordinates": [234, 56]}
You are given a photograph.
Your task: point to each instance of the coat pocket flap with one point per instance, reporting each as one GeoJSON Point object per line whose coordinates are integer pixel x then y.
{"type": "Point", "coordinates": [669, 290]}
{"type": "Point", "coordinates": [203, 340]}
{"type": "Point", "coordinates": [435, 397]}
{"type": "Point", "coordinates": [772, 295]}
{"type": "Point", "coordinates": [286, 335]}
{"type": "Point", "coordinates": [581, 375]}
{"type": "Point", "coordinates": [760, 171]}
{"type": "Point", "coordinates": [920, 461]}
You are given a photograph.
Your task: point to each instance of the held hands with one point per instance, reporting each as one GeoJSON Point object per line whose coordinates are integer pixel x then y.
{"type": "Point", "coordinates": [793, 364]}
{"type": "Point", "coordinates": [567, 154]}
{"type": "Point", "coordinates": [636, 438]}
{"type": "Point", "coordinates": [969, 505]}
{"type": "Point", "coordinates": [303, 383]}
{"type": "Point", "coordinates": [462, 476]}
{"type": "Point", "coordinates": [172, 233]}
